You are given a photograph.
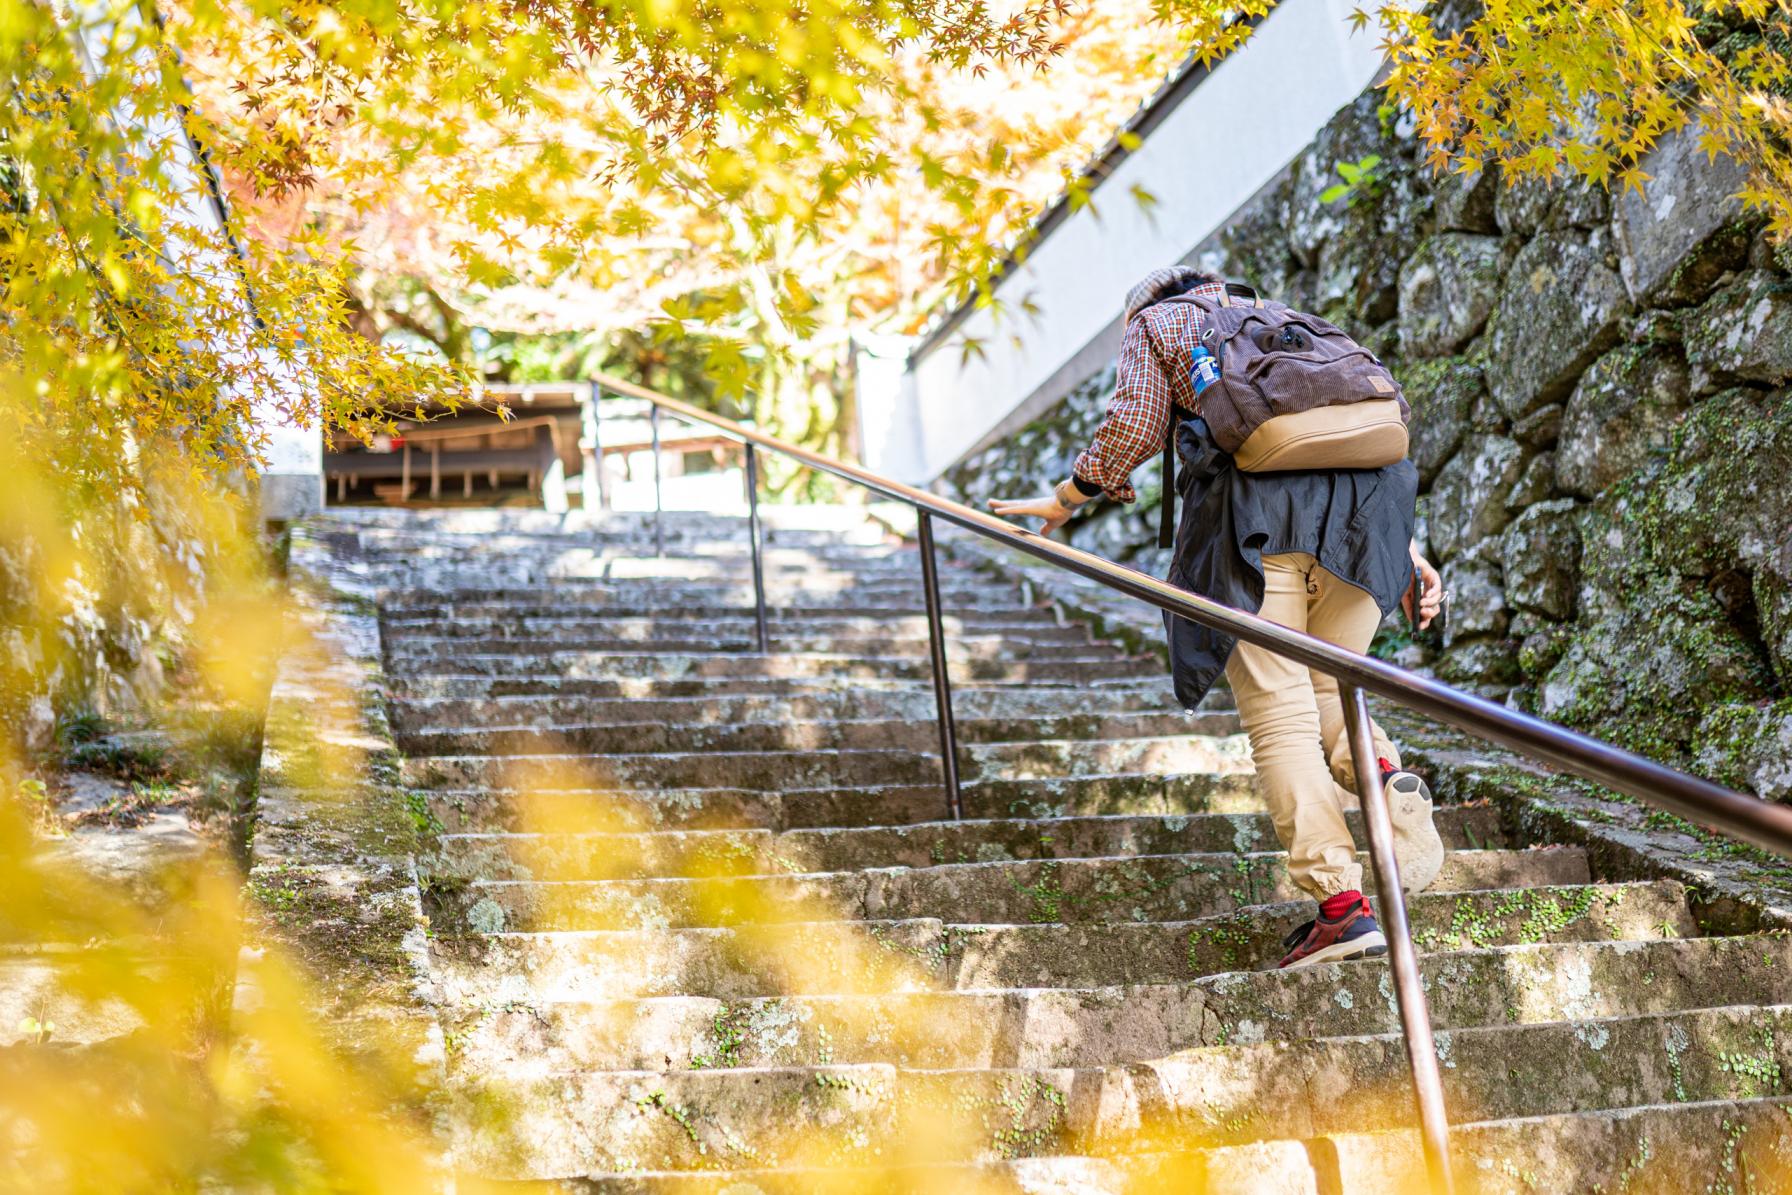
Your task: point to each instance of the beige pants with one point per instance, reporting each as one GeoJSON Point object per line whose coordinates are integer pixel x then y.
{"type": "Point", "coordinates": [1296, 721]}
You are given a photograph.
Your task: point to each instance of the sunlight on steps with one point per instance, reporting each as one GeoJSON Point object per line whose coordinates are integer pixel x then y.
{"type": "Point", "coordinates": [697, 924]}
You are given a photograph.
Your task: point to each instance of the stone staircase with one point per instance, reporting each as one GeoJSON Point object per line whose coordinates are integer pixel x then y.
{"type": "Point", "coordinates": [699, 925]}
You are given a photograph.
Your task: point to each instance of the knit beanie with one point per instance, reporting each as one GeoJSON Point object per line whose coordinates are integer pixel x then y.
{"type": "Point", "coordinates": [1159, 284]}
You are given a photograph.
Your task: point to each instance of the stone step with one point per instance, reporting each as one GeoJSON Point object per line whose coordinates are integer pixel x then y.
{"type": "Point", "coordinates": [730, 624]}
{"type": "Point", "coordinates": [922, 954]}
{"type": "Point", "coordinates": [615, 559]}
{"type": "Point", "coordinates": [612, 852]}
{"type": "Point", "coordinates": [1014, 708]}
{"type": "Point", "coordinates": [542, 810]}
{"type": "Point", "coordinates": [1138, 888]}
{"type": "Point", "coordinates": [619, 564]}
{"type": "Point", "coordinates": [740, 851]}
{"type": "Point", "coordinates": [1251, 939]}
{"type": "Point", "coordinates": [1150, 758]}
{"type": "Point", "coordinates": [1047, 645]}
{"type": "Point", "coordinates": [42, 986]}
{"type": "Point", "coordinates": [803, 1116]}
{"type": "Point", "coordinates": [1188, 752]}
{"type": "Point", "coordinates": [862, 1113]}
{"type": "Point", "coordinates": [739, 944]}
{"type": "Point", "coordinates": [1154, 687]}
{"type": "Point", "coordinates": [1475, 827]}
{"type": "Point", "coordinates": [501, 613]}
{"type": "Point", "coordinates": [1084, 1027]}
{"type": "Point", "coordinates": [958, 596]}
{"type": "Point", "coordinates": [794, 734]}
{"type": "Point", "coordinates": [764, 770]}
{"type": "Point", "coordinates": [816, 957]}
{"type": "Point", "coordinates": [1092, 794]}
{"type": "Point", "coordinates": [1092, 663]}
{"type": "Point", "coordinates": [692, 1120]}
{"type": "Point", "coordinates": [828, 520]}
{"type": "Point", "coordinates": [633, 544]}
{"type": "Point", "coordinates": [1668, 1148]}
{"type": "Point", "coordinates": [1651, 1150]}
{"type": "Point", "coordinates": [1060, 1175]}
{"type": "Point", "coordinates": [1312, 1088]}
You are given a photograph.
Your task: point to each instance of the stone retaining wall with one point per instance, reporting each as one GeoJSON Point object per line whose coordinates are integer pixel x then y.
{"type": "Point", "coordinates": [1602, 428]}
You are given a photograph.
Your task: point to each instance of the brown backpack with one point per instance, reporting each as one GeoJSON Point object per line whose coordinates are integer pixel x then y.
{"type": "Point", "coordinates": [1293, 392]}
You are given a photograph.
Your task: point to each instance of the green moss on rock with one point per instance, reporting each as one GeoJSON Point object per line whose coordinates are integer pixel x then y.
{"type": "Point", "coordinates": [1674, 655]}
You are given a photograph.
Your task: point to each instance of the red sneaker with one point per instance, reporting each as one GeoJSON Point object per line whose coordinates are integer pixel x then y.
{"type": "Point", "coordinates": [1321, 940]}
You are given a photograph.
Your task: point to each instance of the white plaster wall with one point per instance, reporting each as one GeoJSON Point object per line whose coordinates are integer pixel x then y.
{"type": "Point", "coordinates": [886, 401]}
{"type": "Point", "coordinates": [1239, 127]}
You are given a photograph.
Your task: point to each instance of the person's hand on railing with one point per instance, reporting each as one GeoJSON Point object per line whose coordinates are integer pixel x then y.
{"type": "Point", "coordinates": [1055, 508]}
{"type": "Point", "coordinates": [1048, 508]}
{"type": "Point", "coordinates": [1430, 588]}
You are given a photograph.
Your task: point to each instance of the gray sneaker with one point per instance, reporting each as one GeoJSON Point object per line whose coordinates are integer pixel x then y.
{"type": "Point", "coordinates": [1418, 849]}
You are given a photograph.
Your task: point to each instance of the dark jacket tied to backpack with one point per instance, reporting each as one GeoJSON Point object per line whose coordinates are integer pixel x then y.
{"type": "Point", "coordinates": [1357, 523]}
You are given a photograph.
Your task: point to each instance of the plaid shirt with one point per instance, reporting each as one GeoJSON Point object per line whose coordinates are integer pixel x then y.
{"type": "Point", "coordinates": [1155, 356]}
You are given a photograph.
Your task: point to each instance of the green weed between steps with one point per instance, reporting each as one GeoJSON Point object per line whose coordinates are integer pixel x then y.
{"type": "Point", "coordinates": [277, 891]}
{"type": "Point", "coordinates": [1676, 1044]}
{"type": "Point", "coordinates": [728, 1031]}
{"type": "Point", "coordinates": [1639, 1161]}
{"type": "Point", "coordinates": [1127, 885]}
{"type": "Point", "coordinates": [1226, 939]}
{"type": "Point", "coordinates": [681, 1116]}
{"type": "Point", "coordinates": [1733, 1177]}
{"type": "Point", "coordinates": [934, 956]}
{"type": "Point", "coordinates": [1006, 1116]}
{"type": "Point", "coordinates": [1546, 914]}
{"type": "Point", "coordinates": [1230, 1125]}
{"type": "Point", "coordinates": [731, 1028]}
{"type": "Point", "coordinates": [423, 818]}
{"type": "Point", "coordinates": [831, 1082]}
{"type": "Point", "coordinates": [1047, 896]}
{"type": "Point", "coordinates": [1760, 1071]}
{"type": "Point", "coordinates": [1527, 1177]}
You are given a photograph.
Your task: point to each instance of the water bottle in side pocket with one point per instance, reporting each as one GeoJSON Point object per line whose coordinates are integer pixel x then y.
{"type": "Point", "coordinates": [1204, 369]}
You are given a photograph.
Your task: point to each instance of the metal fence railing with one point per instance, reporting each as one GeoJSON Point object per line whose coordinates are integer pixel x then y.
{"type": "Point", "coordinates": [1739, 815]}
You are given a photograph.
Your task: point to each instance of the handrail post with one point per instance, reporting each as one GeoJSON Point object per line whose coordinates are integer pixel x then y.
{"type": "Point", "coordinates": [659, 506]}
{"type": "Point", "coordinates": [753, 533]}
{"type": "Point", "coordinates": [596, 487]}
{"type": "Point", "coordinates": [942, 681]}
{"type": "Point", "coordinates": [1409, 992]}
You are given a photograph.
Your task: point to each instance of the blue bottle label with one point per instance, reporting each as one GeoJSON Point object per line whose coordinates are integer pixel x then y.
{"type": "Point", "coordinates": [1205, 371]}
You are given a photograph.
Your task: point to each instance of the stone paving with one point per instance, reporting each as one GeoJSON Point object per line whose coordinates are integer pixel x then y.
{"type": "Point", "coordinates": [697, 921]}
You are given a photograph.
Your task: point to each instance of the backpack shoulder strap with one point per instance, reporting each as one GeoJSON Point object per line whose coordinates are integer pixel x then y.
{"type": "Point", "coordinates": [1210, 304]}
{"type": "Point", "coordinates": [1166, 514]}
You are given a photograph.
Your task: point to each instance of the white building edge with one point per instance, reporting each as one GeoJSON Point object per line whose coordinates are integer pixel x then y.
{"type": "Point", "coordinates": [1211, 139]}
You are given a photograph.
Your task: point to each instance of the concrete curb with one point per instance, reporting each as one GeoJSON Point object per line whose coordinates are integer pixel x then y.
{"type": "Point", "coordinates": [333, 880]}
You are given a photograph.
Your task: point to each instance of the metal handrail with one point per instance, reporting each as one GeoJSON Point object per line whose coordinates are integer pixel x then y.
{"type": "Point", "coordinates": [1739, 815]}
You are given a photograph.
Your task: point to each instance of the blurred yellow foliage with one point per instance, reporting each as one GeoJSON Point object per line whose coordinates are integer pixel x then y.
{"type": "Point", "coordinates": [136, 1063]}
{"type": "Point", "coordinates": [781, 168]}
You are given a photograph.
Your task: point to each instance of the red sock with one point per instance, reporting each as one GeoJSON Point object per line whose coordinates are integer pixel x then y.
{"type": "Point", "coordinates": [1335, 906]}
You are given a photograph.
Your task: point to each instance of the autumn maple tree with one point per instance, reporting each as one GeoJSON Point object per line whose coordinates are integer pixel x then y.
{"type": "Point", "coordinates": [756, 179]}
{"type": "Point", "coordinates": [1589, 87]}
